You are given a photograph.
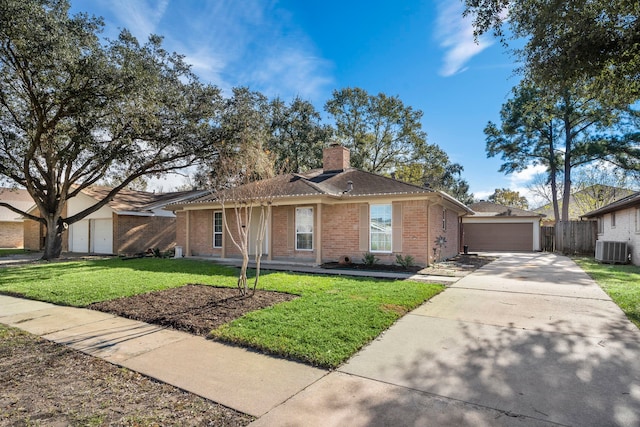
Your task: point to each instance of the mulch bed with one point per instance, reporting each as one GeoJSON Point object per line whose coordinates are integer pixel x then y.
{"type": "Point", "coordinates": [196, 309]}
{"type": "Point", "coordinates": [460, 265]}
{"type": "Point", "coordinates": [392, 268]}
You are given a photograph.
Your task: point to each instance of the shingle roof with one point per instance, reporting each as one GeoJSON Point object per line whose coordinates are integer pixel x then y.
{"type": "Point", "coordinates": [493, 209]}
{"type": "Point", "coordinates": [585, 200]}
{"type": "Point", "coordinates": [19, 199]}
{"type": "Point", "coordinates": [626, 202]}
{"type": "Point", "coordinates": [348, 183]}
{"type": "Point", "coordinates": [138, 201]}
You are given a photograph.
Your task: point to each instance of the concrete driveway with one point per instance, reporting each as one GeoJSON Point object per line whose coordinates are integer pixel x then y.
{"type": "Point", "coordinates": [528, 340]}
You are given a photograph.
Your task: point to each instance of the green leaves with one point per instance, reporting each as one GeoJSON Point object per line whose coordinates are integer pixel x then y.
{"type": "Point", "coordinates": [572, 41]}
{"type": "Point", "coordinates": [380, 131]}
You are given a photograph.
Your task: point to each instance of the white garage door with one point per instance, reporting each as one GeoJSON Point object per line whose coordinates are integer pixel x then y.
{"type": "Point", "coordinates": [498, 237]}
{"type": "Point", "coordinates": [101, 236]}
{"type": "Point", "coordinates": [79, 236]}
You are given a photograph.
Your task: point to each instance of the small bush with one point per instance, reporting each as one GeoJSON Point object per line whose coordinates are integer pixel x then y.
{"type": "Point", "coordinates": [369, 259]}
{"type": "Point", "coordinates": [406, 261]}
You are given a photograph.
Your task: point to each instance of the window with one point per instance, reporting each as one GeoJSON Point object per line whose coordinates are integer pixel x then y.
{"type": "Point", "coordinates": [613, 219]}
{"type": "Point", "coordinates": [304, 229]}
{"type": "Point", "coordinates": [637, 220]}
{"type": "Point", "coordinates": [217, 229]}
{"type": "Point", "coordinates": [444, 220]}
{"type": "Point", "coordinates": [600, 225]}
{"type": "Point", "coordinates": [380, 228]}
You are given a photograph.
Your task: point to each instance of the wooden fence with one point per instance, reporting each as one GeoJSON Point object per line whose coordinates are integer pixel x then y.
{"type": "Point", "coordinates": [570, 237]}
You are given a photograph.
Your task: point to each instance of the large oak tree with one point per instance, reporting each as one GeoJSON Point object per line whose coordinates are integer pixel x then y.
{"type": "Point", "coordinates": [570, 41]}
{"type": "Point", "coordinates": [76, 109]}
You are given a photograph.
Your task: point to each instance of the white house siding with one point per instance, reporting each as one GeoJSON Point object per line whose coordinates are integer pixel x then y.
{"type": "Point", "coordinates": [624, 231]}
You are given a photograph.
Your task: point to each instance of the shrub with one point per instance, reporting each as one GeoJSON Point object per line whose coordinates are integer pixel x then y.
{"type": "Point", "coordinates": [369, 259]}
{"type": "Point", "coordinates": [406, 261]}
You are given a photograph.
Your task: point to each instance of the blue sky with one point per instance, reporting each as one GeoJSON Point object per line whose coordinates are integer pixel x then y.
{"type": "Point", "coordinates": [421, 51]}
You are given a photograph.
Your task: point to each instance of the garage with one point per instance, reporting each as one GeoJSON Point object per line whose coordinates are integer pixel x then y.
{"type": "Point", "coordinates": [498, 237]}
{"type": "Point", "coordinates": [91, 236]}
{"type": "Point", "coordinates": [494, 227]}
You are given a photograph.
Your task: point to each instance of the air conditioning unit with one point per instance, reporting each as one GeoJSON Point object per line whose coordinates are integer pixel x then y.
{"type": "Point", "coordinates": [612, 252]}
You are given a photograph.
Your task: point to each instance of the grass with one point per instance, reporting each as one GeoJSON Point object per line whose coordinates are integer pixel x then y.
{"type": "Point", "coordinates": [80, 283]}
{"type": "Point", "coordinates": [620, 282]}
{"type": "Point", "coordinates": [7, 252]}
{"type": "Point", "coordinates": [333, 318]}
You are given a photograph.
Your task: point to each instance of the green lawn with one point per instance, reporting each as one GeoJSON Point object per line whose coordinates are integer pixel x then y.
{"type": "Point", "coordinates": [6, 252]}
{"type": "Point", "coordinates": [333, 318]}
{"type": "Point", "coordinates": [621, 282]}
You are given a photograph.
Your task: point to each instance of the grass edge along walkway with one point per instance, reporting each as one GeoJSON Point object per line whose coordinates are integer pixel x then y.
{"type": "Point", "coordinates": [334, 317]}
{"type": "Point", "coordinates": [620, 281]}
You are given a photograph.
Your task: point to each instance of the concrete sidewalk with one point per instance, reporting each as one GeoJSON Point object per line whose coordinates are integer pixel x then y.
{"type": "Point", "coordinates": [247, 381]}
{"type": "Point", "coordinates": [528, 340]}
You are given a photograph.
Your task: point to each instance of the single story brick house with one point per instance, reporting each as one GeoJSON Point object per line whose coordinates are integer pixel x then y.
{"type": "Point", "coordinates": [132, 222]}
{"type": "Point", "coordinates": [11, 223]}
{"type": "Point", "coordinates": [496, 227]}
{"type": "Point", "coordinates": [620, 222]}
{"type": "Point", "coordinates": [327, 214]}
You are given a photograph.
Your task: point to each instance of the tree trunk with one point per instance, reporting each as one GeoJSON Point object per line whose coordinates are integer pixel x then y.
{"type": "Point", "coordinates": [53, 238]}
{"type": "Point", "coordinates": [553, 171]}
{"type": "Point", "coordinates": [242, 279]}
{"type": "Point", "coordinates": [568, 138]}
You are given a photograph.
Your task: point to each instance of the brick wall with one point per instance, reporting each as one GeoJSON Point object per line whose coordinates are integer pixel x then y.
{"type": "Point", "coordinates": [11, 235]}
{"type": "Point", "coordinates": [336, 158]}
{"type": "Point", "coordinates": [134, 234]}
{"type": "Point", "coordinates": [451, 234]}
{"type": "Point", "coordinates": [414, 231]}
{"type": "Point", "coordinates": [341, 232]}
{"type": "Point", "coordinates": [181, 229]}
{"type": "Point", "coordinates": [201, 233]}
{"type": "Point", "coordinates": [31, 235]}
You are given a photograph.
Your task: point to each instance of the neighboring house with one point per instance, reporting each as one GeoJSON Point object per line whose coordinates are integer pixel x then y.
{"type": "Point", "coordinates": [325, 215]}
{"type": "Point", "coordinates": [585, 200]}
{"type": "Point", "coordinates": [620, 222]}
{"type": "Point", "coordinates": [11, 228]}
{"type": "Point", "coordinates": [501, 228]}
{"type": "Point", "coordinates": [132, 222]}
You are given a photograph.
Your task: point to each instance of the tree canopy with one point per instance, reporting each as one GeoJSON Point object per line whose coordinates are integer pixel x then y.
{"type": "Point", "coordinates": [597, 41]}
{"type": "Point", "coordinates": [386, 137]}
{"type": "Point", "coordinates": [297, 135]}
{"type": "Point", "coordinates": [562, 131]}
{"type": "Point", "coordinates": [76, 109]}
{"type": "Point", "coordinates": [380, 130]}
{"type": "Point", "coordinates": [511, 198]}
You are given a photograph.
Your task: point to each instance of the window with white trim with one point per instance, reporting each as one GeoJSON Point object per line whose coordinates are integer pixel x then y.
{"type": "Point", "coordinates": [637, 220]}
{"type": "Point", "coordinates": [613, 219]}
{"type": "Point", "coordinates": [380, 228]}
{"type": "Point", "coordinates": [444, 219]}
{"type": "Point", "coordinates": [304, 229]}
{"type": "Point", "coordinates": [217, 229]}
{"type": "Point", "coordinates": [600, 225]}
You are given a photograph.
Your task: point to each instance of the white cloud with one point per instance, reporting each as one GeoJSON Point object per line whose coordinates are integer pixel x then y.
{"type": "Point", "coordinates": [230, 43]}
{"type": "Point", "coordinates": [141, 17]}
{"type": "Point", "coordinates": [250, 43]}
{"type": "Point", "coordinates": [522, 178]}
{"type": "Point", "coordinates": [455, 34]}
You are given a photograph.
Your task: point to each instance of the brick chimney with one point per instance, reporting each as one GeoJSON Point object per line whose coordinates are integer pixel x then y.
{"type": "Point", "coordinates": [335, 158]}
